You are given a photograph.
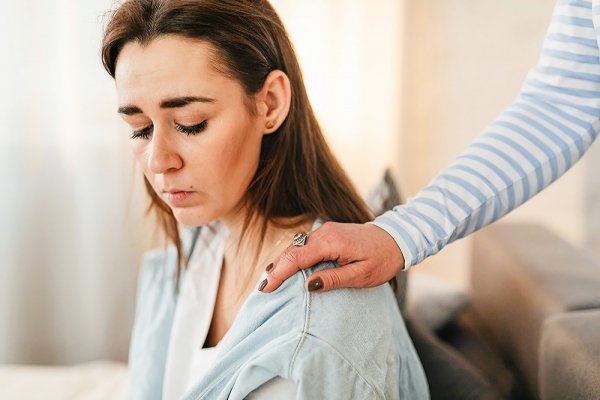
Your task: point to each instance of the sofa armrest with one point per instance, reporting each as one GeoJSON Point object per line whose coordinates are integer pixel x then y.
{"type": "Point", "coordinates": [570, 356]}
{"type": "Point", "coordinates": [521, 275]}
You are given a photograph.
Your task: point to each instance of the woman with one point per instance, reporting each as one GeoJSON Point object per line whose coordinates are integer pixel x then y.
{"type": "Point", "coordinates": [224, 133]}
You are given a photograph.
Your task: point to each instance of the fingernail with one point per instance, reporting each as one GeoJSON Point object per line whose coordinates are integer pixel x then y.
{"type": "Point", "coordinates": [315, 284]}
{"type": "Point", "coordinates": [269, 267]}
{"type": "Point", "coordinates": [262, 285]}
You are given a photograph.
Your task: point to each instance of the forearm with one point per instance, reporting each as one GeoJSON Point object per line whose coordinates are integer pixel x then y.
{"type": "Point", "coordinates": [529, 146]}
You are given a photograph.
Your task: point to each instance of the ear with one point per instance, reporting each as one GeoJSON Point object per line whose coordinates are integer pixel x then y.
{"type": "Point", "coordinates": [275, 98]}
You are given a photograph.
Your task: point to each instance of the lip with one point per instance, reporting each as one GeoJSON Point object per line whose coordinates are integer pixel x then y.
{"type": "Point", "coordinates": [176, 196]}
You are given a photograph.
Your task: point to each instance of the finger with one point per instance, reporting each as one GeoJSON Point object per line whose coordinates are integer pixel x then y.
{"type": "Point", "coordinates": [350, 275]}
{"type": "Point", "coordinates": [269, 284]}
{"type": "Point", "coordinates": [290, 262]}
{"type": "Point", "coordinates": [295, 258]}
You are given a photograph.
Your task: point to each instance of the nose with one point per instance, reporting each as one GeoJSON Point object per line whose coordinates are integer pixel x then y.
{"type": "Point", "coordinates": [164, 155]}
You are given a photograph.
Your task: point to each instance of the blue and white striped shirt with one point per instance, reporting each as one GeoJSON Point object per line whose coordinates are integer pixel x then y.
{"type": "Point", "coordinates": [538, 138]}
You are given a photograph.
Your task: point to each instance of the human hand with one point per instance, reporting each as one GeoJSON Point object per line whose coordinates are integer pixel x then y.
{"type": "Point", "coordinates": [368, 256]}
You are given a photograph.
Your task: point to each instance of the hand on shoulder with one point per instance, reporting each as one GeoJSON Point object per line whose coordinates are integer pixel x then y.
{"type": "Point", "coordinates": [367, 256]}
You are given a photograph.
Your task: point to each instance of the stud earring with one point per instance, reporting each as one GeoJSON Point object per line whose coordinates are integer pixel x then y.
{"type": "Point", "coordinates": [270, 124]}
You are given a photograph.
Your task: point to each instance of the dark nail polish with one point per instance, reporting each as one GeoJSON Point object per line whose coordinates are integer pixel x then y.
{"type": "Point", "coordinates": [315, 284]}
{"type": "Point", "coordinates": [269, 267]}
{"type": "Point", "coordinates": [262, 285]}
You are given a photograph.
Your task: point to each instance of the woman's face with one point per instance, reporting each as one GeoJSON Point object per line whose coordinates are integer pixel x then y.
{"type": "Point", "coordinates": [192, 132]}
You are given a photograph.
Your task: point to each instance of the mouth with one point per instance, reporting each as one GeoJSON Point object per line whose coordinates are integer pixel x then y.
{"type": "Point", "coordinates": [176, 196]}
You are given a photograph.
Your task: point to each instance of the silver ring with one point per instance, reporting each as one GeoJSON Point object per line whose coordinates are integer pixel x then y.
{"type": "Point", "coordinates": [300, 239]}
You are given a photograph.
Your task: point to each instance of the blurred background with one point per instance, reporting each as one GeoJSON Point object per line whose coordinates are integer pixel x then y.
{"type": "Point", "coordinates": [405, 84]}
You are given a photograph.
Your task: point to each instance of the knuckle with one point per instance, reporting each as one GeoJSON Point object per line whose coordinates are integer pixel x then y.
{"type": "Point", "coordinates": [327, 226]}
{"type": "Point", "coordinates": [332, 280]}
{"type": "Point", "coordinates": [333, 238]}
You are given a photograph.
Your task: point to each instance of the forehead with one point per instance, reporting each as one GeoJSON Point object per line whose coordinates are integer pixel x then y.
{"type": "Point", "coordinates": [169, 66]}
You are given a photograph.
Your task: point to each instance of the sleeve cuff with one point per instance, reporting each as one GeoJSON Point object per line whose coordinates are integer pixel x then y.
{"type": "Point", "coordinates": [409, 256]}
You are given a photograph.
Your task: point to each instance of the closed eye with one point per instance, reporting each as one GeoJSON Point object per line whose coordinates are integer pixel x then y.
{"type": "Point", "coordinates": [142, 133]}
{"type": "Point", "coordinates": [192, 130]}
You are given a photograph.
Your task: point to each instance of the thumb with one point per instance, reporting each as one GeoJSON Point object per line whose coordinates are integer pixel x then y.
{"type": "Point", "coordinates": [350, 275]}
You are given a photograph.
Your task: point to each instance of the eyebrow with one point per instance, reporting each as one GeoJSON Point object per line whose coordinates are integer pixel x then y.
{"type": "Point", "coordinates": [175, 102]}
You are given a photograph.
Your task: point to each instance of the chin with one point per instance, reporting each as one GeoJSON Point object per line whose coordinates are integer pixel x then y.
{"type": "Point", "coordinates": [191, 216]}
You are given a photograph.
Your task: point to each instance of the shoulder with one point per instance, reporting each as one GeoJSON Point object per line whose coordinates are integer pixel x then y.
{"type": "Point", "coordinates": [323, 315]}
{"type": "Point", "coordinates": [349, 340]}
{"type": "Point", "coordinates": [356, 343]}
{"type": "Point", "coordinates": [355, 322]}
{"type": "Point", "coordinates": [348, 319]}
{"type": "Point", "coordinates": [337, 344]}
{"type": "Point", "coordinates": [361, 307]}
{"type": "Point", "coordinates": [357, 328]}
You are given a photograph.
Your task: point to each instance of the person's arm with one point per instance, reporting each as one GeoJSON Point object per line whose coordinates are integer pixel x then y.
{"type": "Point", "coordinates": [530, 145]}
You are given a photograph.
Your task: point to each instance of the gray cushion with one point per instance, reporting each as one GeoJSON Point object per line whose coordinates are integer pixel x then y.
{"type": "Point", "coordinates": [433, 301]}
{"type": "Point", "coordinates": [521, 275]}
{"type": "Point", "coordinates": [570, 356]}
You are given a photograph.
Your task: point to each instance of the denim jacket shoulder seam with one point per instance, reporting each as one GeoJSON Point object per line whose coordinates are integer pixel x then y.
{"type": "Point", "coordinates": [305, 329]}
{"type": "Point", "coordinates": [306, 333]}
{"type": "Point", "coordinates": [341, 356]}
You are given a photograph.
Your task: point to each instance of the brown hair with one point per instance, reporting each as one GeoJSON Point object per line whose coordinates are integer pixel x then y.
{"type": "Point", "coordinates": [297, 177]}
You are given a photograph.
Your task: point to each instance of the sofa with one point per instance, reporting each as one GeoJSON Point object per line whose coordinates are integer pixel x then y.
{"type": "Point", "coordinates": [539, 298]}
{"type": "Point", "coordinates": [531, 329]}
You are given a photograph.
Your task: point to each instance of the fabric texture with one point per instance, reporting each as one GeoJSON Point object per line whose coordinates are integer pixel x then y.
{"type": "Point", "coordinates": [348, 343]}
{"type": "Point", "coordinates": [570, 356]}
{"type": "Point", "coordinates": [530, 145]}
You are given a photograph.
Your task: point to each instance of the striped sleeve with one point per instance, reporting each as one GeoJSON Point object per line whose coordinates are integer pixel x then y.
{"type": "Point", "coordinates": [537, 139]}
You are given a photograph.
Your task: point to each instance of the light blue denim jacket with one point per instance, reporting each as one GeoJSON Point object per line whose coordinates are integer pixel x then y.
{"type": "Point", "coordinates": [343, 344]}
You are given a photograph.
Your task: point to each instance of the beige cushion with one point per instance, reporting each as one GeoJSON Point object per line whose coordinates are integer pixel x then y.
{"type": "Point", "coordinates": [100, 380]}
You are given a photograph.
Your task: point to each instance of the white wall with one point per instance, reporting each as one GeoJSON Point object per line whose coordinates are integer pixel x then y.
{"type": "Point", "coordinates": [69, 240]}
{"type": "Point", "coordinates": [350, 52]}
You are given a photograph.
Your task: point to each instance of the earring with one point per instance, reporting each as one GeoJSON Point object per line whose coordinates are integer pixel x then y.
{"type": "Point", "coordinates": [270, 124]}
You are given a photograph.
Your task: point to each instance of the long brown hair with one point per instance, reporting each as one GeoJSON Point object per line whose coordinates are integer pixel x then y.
{"type": "Point", "coordinates": [297, 176]}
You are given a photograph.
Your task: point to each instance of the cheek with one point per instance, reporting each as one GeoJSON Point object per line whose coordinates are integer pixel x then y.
{"type": "Point", "coordinates": [243, 157]}
{"type": "Point", "coordinates": [224, 168]}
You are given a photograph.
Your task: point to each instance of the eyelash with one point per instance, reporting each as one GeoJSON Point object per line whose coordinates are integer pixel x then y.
{"type": "Point", "coordinates": [188, 130]}
{"type": "Point", "coordinates": [144, 133]}
{"type": "Point", "coordinates": [192, 130]}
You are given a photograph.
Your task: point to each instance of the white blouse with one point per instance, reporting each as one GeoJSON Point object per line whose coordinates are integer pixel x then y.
{"type": "Point", "coordinates": [187, 360]}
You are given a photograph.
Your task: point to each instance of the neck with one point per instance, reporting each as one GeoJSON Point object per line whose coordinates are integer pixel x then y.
{"type": "Point", "coordinates": [244, 254]}
{"type": "Point", "coordinates": [245, 250]}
